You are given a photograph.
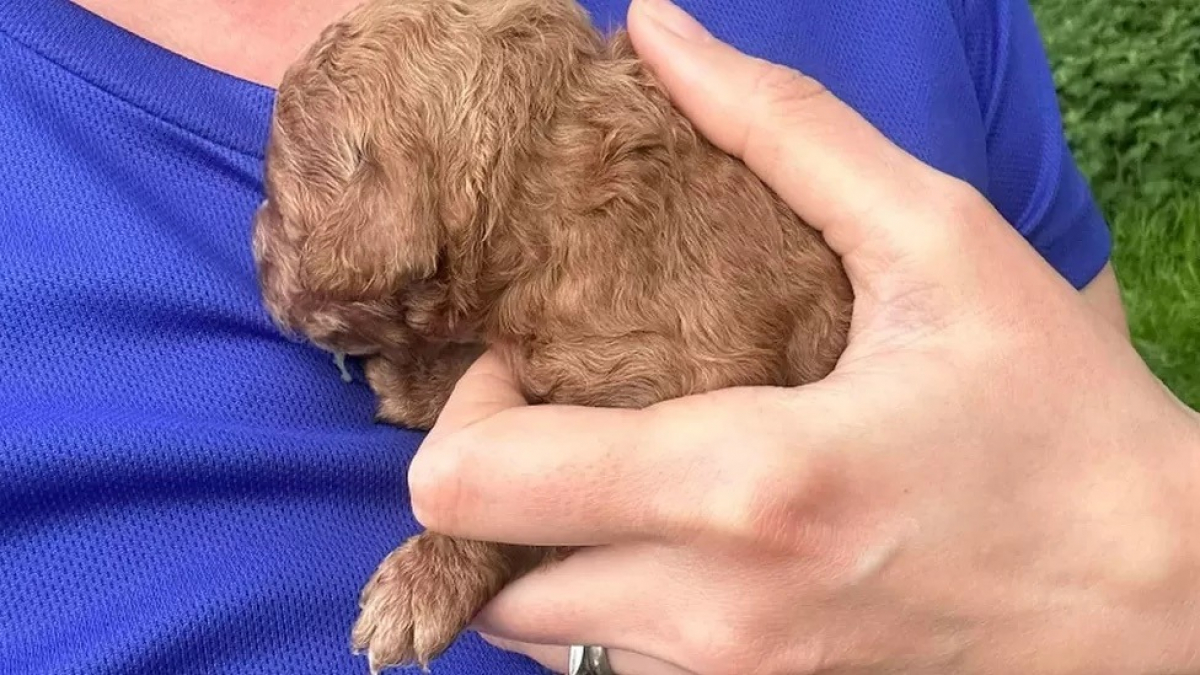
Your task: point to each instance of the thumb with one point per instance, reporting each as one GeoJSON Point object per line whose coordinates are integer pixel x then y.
{"type": "Point", "coordinates": [828, 163]}
{"type": "Point", "coordinates": [487, 388]}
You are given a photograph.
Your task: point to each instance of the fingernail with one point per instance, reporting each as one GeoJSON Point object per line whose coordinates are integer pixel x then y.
{"type": "Point", "coordinates": [673, 19]}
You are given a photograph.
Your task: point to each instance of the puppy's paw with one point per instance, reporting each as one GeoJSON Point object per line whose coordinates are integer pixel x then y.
{"type": "Point", "coordinates": [412, 394]}
{"type": "Point", "coordinates": [423, 595]}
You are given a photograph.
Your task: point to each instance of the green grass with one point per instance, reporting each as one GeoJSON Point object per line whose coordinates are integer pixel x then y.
{"type": "Point", "coordinates": [1157, 258]}
{"type": "Point", "coordinates": [1128, 79]}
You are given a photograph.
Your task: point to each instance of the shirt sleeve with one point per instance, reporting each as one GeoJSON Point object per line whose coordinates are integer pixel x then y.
{"type": "Point", "coordinates": [1033, 179]}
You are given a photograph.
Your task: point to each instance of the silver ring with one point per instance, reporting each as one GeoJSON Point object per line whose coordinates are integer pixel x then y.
{"type": "Point", "coordinates": [588, 660]}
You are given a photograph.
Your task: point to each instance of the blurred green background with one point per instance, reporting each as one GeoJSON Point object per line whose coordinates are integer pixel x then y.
{"type": "Point", "coordinates": [1128, 78]}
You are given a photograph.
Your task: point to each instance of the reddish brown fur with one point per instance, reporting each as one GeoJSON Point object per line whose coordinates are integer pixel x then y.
{"type": "Point", "coordinates": [445, 174]}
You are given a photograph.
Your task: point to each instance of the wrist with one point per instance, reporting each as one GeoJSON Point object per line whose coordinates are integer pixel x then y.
{"type": "Point", "coordinates": [1145, 608]}
{"type": "Point", "coordinates": [1170, 634]}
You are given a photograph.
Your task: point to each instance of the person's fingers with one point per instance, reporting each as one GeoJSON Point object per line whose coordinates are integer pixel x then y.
{"type": "Point", "coordinates": [607, 595]}
{"type": "Point", "coordinates": [653, 600]}
{"type": "Point", "coordinates": [660, 601]}
{"type": "Point", "coordinates": [488, 387]}
{"type": "Point", "coordinates": [556, 657]}
{"type": "Point", "coordinates": [547, 475]}
{"type": "Point", "coordinates": [565, 475]}
{"type": "Point", "coordinates": [836, 170]}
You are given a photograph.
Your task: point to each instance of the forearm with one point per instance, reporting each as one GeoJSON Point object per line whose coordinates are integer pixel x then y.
{"type": "Point", "coordinates": [1104, 295]}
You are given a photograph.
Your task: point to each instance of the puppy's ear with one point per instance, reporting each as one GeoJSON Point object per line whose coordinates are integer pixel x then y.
{"type": "Point", "coordinates": [357, 204]}
{"type": "Point", "coordinates": [378, 233]}
{"type": "Point", "coordinates": [348, 231]}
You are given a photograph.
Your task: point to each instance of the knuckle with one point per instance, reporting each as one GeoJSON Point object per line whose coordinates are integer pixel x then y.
{"type": "Point", "coordinates": [779, 96]}
{"type": "Point", "coordinates": [960, 203]}
{"type": "Point", "coordinates": [719, 647]}
{"type": "Point", "coordinates": [811, 656]}
{"type": "Point", "coordinates": [435, 485]}
{"type": "Point", "coordinates": [769, 506]}
{"type": "Point", "coordinates": [956, 211]}
{"type": "Point", "coordinates": [779, 90]}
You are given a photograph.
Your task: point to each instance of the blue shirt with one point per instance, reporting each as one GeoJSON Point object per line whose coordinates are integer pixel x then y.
{"type": "Point", "coordinates": [183, 490]}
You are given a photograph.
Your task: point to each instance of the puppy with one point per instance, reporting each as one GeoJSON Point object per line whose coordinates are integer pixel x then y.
{"type": "Point", "coordinates": [445, 176]}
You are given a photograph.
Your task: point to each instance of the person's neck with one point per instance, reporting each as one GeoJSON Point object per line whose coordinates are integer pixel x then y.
{"type": "Point", "coordinates": [255, 40]}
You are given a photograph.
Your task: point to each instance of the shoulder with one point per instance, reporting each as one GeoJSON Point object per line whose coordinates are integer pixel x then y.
{"type": "Point", "coordinates": [964, 85]}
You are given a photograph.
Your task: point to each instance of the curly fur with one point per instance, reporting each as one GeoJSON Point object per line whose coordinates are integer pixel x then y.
{"type": "Point", "coordinates": [447, 175]}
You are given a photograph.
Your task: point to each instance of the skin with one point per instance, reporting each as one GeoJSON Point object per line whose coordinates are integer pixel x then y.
{"type": "Point", "coordinates": [254, 40]}
{"type": "Point", "coordinates": [991, 481]}
{"type": "Point", "coordinates": [834, 555]}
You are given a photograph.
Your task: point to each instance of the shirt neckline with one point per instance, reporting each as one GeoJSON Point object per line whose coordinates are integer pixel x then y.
{"type": "Point", "coordinates": [216, 106]}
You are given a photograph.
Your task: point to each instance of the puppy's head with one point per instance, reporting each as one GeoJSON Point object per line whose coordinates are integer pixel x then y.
{"type": "Point", "coordinates": [396, 143]}
{"type": "Point", "coordinates": [349, 222]}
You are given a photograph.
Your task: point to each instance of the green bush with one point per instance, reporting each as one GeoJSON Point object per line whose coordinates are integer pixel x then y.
{"type": "Point", "coordinates": [1128, 77]}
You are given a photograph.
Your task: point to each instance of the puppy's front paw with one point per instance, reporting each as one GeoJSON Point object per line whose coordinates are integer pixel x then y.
{"type": "Point", "coordinates": [412, 393]}
{"type": "Point", "coordinates": [404, 399]}
{"type": "Point", "coordinates": [424, 594]}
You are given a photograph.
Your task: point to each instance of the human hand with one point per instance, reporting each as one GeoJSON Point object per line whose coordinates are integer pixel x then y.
{"type": "Point", "coordinates": [991, 481]}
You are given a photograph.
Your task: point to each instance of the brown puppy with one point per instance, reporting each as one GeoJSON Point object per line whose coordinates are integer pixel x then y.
{"type": "Point", "coordinates": [445, 175]}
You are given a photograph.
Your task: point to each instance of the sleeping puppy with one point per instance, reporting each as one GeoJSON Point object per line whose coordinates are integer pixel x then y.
{"type": "Point", "coordinates": [446, 176]}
